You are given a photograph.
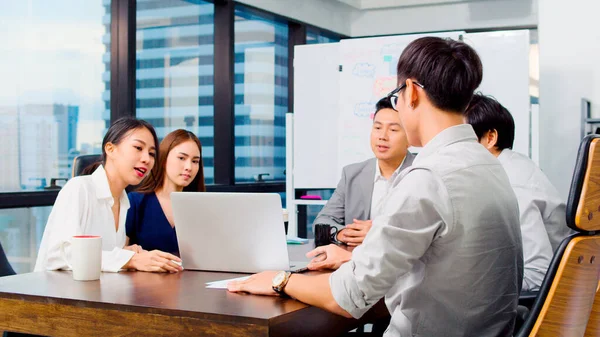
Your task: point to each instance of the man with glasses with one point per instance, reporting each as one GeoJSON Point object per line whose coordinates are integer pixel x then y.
{"type": "Point", "coordinates": [445, 251]}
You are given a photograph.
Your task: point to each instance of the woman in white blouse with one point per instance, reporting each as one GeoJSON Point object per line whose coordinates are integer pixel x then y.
{"type": "Point", "coordinates": [97, 204]}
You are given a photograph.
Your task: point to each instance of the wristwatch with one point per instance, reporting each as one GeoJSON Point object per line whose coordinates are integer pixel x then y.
{"type": "Point", "coordinates": [280, 281]}
{"type": "Point", "coordinates": [335, 240]}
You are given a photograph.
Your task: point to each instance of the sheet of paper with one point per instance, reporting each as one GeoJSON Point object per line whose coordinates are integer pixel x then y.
{"type": "Point", "coordinates": [222, 284]}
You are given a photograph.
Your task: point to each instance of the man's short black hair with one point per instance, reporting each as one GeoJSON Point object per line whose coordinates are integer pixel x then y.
{"type": "Point", "coordinates": [449, 71]}
{"type": "Point", "coordinates": [486, 114]}
{"type": "Point", "coordinates": [384, 103]}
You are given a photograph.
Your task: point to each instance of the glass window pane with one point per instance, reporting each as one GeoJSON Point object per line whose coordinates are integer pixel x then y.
{"type": "Point", "coordinates": [21, 231]}
{"type": "Point", "coordinates": [175, 70]}
{"type": "Point", "coordinates": [54, 99]}
{"type": "Point", "coordinates": [314, 36]}
{"type": "Point", "coordinates": [261, 96]}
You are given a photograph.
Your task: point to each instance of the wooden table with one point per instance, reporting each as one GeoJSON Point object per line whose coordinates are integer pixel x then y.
{"type": "Point", "coordinates": [148, 304]}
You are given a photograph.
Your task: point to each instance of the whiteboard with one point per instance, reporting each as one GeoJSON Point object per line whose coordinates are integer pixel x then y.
{"type": "Point", "coordinates": [316, 97]}
{"type": "Point", "coordinates": [333, 109]}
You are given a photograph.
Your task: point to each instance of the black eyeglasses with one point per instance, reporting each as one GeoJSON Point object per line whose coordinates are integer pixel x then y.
{"type": "Point", "coordinates": [393, 96]}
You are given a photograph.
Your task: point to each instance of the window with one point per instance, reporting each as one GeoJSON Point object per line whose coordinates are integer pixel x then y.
{"type": "Point", "coordinates": [314, 36]}
{"type": "Point", "coordinates": [55, 65]}
{"type": "Point", "coordinates": [175, 70]}
{"type": "Point", "coordinates": [261, 96]}
{"type": "Point", "coordinates": [21, 231]}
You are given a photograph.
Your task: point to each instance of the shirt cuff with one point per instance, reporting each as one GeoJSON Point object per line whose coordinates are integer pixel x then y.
{"type": "Point", "coordinates": [346, 292]}
{"type": "Point", "coordinates": [114, 260]}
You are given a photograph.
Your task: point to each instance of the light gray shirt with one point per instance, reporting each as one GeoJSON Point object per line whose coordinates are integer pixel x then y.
{"type": "Point", "coordinates": [542, 215]}
{"type": "Point", "coordinates": [446, 251]}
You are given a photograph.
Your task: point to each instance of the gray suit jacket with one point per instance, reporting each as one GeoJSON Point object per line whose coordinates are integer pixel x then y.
{"type": "Point", "coordinates": [352, 197]}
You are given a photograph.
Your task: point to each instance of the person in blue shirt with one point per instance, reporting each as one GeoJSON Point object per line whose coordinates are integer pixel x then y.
{"type": "Point", "coordinates": [150, 218]}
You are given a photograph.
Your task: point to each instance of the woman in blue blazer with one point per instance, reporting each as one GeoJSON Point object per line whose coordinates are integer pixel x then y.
{"type": "Point", "coordinates": [150, 218]}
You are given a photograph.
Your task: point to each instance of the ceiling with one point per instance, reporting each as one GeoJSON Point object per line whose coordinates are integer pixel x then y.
{"type": "Point", "coordinates": [380, 4]}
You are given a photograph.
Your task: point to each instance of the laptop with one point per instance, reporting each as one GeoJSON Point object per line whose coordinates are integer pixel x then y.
{"type": "Point", "coordinates": [231, 232]}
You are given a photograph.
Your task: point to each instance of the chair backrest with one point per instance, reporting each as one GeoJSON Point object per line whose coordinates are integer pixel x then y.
{"type": "Point", "coordinates": [566, 296]}
{"type": "Point", "coordinates": [5, 267]}
{"type": "Point", "coordinates": [593, 326]}
{"type": "Point", "coordinates": [83, 161]}
{"type": "Point", "coordinates": [583, 205]}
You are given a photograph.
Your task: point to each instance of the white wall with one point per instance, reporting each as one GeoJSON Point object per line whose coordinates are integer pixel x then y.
{"type": "Point", "coordinates": [443, 17]}
{"type": "Point", "coordinates": [569, 38]}
{"type": "Point", "coordinates": [328, 14]}
{"type": "Point", "coordinates": [342, 18]}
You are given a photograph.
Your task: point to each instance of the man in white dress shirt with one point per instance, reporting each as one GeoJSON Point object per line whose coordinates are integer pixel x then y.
{"type": "Point", "coordinates": [542, 211]}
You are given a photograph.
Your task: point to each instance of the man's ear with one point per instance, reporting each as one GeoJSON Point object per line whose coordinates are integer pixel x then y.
{"type": "Point", "coordinates": [491, 139]}
{"type": "Point", "coordinates": [412, 98]}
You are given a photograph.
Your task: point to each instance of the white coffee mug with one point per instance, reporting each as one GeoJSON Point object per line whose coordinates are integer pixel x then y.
{"type": "Point", "coordinates": [86, 257]}
{"type": "Point", "coordinates": [285, 215]}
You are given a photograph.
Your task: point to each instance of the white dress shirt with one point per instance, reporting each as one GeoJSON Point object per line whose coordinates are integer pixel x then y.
{"type": "Point", "coordinates": [381, 187]}
{"type": "Point", "coordinates": [542, 215]}
{"type": "Point", "coordinates": [446, 250]}
{"type": "Point", "coordinates": [83, 207]}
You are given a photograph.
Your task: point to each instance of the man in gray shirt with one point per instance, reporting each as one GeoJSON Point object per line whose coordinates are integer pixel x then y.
{"type": "Point", "coordinates": [446, 250]}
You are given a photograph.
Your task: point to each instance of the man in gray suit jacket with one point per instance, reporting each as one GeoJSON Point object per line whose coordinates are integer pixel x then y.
{"type": "Point", "coordinates": [355, 201]}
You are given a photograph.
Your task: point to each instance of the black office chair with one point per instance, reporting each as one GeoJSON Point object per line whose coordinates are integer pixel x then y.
{"type": "Point", "coordinates": [5, 267]}
{"type": "Point", "coordinates": [80, 163]}
{"type": "Point", "coordinates": [566, 297]}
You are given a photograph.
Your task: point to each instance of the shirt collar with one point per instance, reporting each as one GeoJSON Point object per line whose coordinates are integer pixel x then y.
{"type": "Point", "coordinates": [453, 134]}
{"type": "Point", "coordinates": [504, 155]}
{"type": "Point", "coordinates": [378, 175]}
{"type": "Point", "coordinates": [100, 181]}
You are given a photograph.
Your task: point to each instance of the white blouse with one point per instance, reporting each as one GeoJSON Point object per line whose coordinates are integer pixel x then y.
{"type": "Point", "coordinates": [83, 207]}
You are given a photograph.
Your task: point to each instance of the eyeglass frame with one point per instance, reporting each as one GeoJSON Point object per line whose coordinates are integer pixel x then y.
{"type": "Point", "coordinates": [394, 93]}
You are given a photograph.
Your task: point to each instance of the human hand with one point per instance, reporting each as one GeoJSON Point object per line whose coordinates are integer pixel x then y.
{"type": "Point", "coordinates": [328, 257]}
{"type": "Point", "coordinates": [155, 261]}
{"type": "Point", "coordinates": [354, 234]}
{"type": "Point", "coordinates": [257, 284]}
